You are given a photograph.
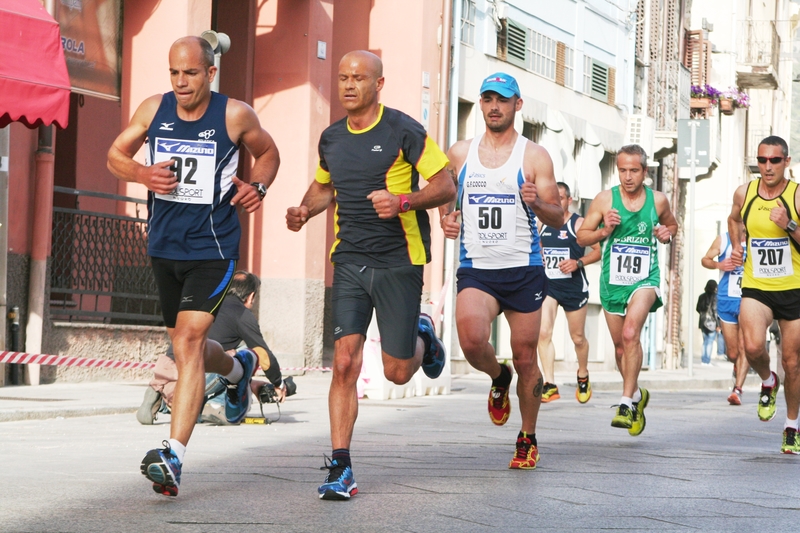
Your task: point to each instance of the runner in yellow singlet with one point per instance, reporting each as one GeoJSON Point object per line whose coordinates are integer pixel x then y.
{"type": "Point", "coordinates": [771, 282]}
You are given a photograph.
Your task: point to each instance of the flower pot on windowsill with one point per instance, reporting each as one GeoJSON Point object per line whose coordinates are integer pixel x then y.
{"type": "Point", "coordinates": [700, 103]}
{"type": "Point", "coordinates": [726, 106]}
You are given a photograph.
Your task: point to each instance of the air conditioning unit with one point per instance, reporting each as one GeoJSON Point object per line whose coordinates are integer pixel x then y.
{"type": "Point", "coordinates": [641, 130]}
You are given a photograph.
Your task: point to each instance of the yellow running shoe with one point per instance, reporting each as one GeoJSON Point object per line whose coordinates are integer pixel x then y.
{"type": "Point", "coordinates": [766, 400]}
{"type": "Point", "coordinates": [550, 393]}
{"type": "Point", "coordinates": [791, 441]}
{"type": "Point", "coordinates": [623, 418]}
{"type": "Point", "coordinates": [584, 389]}
{"type": "Point", "coordinates": [526, 456]}
{"type": "Point", "coordinates": [639, 420]}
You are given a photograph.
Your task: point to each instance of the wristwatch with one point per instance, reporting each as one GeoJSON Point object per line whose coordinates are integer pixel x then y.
{"type": "Point", "coordinates": [580, 263]}
{"type": "Point", "coordinates": [791, 226]}
{"type": "Point", "coordinates": [261, 188]}
{"type": "Point", "coordinates": [405, 205]}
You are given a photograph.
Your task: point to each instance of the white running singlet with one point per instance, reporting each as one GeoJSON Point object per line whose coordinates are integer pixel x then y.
{"type": "Point", "coordinates": [498, 230]}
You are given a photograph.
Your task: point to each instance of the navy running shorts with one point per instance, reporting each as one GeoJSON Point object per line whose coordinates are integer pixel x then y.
{"type": "Point", "coordinates": [520, 289]}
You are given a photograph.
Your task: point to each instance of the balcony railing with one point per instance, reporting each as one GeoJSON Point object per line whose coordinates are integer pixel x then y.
{"type": "Point", "coordinates": [758, 54]}
{"type": "Point", "coordinates": [100, 269]}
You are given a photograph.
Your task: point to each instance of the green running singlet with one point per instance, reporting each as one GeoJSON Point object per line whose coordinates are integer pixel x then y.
{"type": "Point", "coordinates": [630, 255]}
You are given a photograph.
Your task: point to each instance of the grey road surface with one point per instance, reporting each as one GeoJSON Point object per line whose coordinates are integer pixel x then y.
{"type": "Point", "coordinates": [425, 464]}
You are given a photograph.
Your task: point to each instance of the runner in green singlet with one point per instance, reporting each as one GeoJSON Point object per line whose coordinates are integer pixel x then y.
{"type": "Point", "coordinates": [628, 219]}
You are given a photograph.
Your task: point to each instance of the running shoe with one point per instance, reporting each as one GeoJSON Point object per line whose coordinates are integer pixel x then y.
{"type": "Point", "coordinates": [584, 389]}
{"type": "Point", "coordinates": [499, 405]}
{"type": "Point", "coordinates": [623, 418]}
{"type": "Point", "coordinates": [527, 455]}
{"type": "Point", "coordinates": [767, 399]}
{"type": "Point", "coordinates": [639, 420]}
{"type": "Point", "coordinates": [151, 404]}
{"type": "Point", "coordinates": [736, 396]}
{"type": "Point", "coordinates": [162, 467]}
{"type": "Point", "coordinates": [791, 441]}
{"type": "Point", "coordinates": [237, 398]}
{"type": "Point", "coordinates": [339, 483]}
{"type": "Point", "coordinates": [433, 360]}
{"type": "Point", "coordinates": [550, 393]}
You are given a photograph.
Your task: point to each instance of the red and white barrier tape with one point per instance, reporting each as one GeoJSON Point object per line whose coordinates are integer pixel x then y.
{"type": "Point", "coordinates": [63, 360]}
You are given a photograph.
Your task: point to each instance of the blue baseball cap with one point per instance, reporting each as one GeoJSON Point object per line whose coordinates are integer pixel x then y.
{"type": "Point", "coordinates": [502, 84]}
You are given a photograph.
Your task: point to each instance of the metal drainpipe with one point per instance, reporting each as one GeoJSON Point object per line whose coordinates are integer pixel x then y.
{"type": "Point", "coordinates": [14, 370]}
{"type": "Point", "coordinates": [4, 149]}
{"type": "Point", "coordinates": [40, 249]}
{"type": "Point", "coordinates": [449, 123]}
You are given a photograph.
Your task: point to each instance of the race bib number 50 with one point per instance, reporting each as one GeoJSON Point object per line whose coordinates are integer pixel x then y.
{"type": "Point", "coordinates": [771, 258]}
{"type": "Point", "coordinates": [495, 217]}
{"type": "Point", "coordinates": [194, 163]}
{"type": "Point", "coordinates": [629, 264]}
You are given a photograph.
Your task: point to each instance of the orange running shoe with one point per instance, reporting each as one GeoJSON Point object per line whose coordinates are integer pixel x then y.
{"type": "Point", "coordinates": [550, 392]}
{"type": "Point", "coordinates": [499, 405]}
{"type": "Point", "coordinates": [526, 456]}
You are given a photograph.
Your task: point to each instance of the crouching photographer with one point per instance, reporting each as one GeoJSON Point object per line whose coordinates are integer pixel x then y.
{"type": "Point", "coordinates": [235, 327]}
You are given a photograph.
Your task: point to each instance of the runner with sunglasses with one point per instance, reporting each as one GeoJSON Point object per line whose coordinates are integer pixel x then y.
{"type": "Point", "coordinates": [771, 281]}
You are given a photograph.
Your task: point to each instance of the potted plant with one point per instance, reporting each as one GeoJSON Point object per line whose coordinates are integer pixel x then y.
{"type": "Point", "coordinates": [742, 100]}
{"type": "Point", "coordinates": [726, 100]}
{"type": "Point", "coordinates": [703, 96]}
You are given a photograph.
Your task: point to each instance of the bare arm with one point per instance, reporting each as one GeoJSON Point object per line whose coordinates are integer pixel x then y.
{"type": "Point", "coordinates": [669, 226]}
{"type": "Point", "coordinates": [457, 154]}
{"type": "Point", "coordinates": [539, 190]}
{"type": "Point", "coordinates": [708, 261]}
{"type": "Point", "coordinates": [316, 200]}
{"type": "Point", "coordinates": [440, 191]}
{"type": "Point", "coordinates": [244, 127]}
{"type": "Point", "coordinates": [735, 225]}
{"type": "Point", "coordinates": [157, 177]}
{"type": "Point", "coordinates": [590, 232]}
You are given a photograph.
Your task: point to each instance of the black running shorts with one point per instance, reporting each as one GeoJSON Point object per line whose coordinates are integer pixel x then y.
{"type": "Point", "coordinates": [395, 295]}
{"type": "Point", "coordinates": [191, 285]}
{"type": "Point", "coordinates": [785, 305]}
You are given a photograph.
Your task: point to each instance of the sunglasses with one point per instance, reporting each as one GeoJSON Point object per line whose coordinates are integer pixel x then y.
{"type": "Point", "coordinates": [773, 160]}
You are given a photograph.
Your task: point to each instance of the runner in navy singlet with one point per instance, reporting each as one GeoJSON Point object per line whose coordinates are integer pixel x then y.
{"type": "Point", "coordinates": [193, 137]}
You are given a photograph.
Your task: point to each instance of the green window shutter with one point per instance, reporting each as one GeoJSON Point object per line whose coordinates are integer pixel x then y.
{"type": "Point", "coordinates": [517, 37]}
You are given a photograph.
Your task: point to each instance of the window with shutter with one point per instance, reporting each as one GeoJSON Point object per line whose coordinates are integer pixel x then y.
{"type": "Point", "coordinates": [516, 44]}
{"type": "Point", "coordinates": [600, 79]}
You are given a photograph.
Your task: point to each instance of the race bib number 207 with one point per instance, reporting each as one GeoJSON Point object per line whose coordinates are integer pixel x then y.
{"type": "Point", "coordinates": [194, 163]}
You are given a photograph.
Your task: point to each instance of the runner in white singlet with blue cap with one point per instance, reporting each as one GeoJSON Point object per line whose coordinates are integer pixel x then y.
{"type": "Point", "coordinates": [505, 183]}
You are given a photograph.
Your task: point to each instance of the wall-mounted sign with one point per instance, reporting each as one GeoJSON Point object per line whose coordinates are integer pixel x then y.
{"type": "Point", "coordinates": [91, 35]}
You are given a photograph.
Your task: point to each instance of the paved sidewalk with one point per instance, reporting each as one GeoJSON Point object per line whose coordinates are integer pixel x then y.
{"type": "Point", "coordinates": [104, 398]}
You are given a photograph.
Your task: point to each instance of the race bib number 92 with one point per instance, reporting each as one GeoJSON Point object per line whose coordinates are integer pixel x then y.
{"type": "Point", "coordinates": [194, 163]}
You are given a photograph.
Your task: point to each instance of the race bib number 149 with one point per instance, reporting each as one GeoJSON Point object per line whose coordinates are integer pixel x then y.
{"type": "Point", "coordinates": [629, 264]}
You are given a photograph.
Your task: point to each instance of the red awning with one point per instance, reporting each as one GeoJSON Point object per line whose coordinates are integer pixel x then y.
{"type": "Point", "coordinates": [34, 82]}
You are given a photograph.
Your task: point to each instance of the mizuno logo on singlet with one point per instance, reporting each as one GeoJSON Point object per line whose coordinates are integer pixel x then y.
{"type": "Point", "coordinates": [167, 126]}
{"type": "Point", "coordinates": [186, 149]}
{"type": "Point", "coordinates": [509, 199]}
{"type": "Point", "coordinates": [167, 147]}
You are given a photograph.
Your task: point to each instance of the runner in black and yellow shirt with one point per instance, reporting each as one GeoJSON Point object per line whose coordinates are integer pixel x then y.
{"type": "Point", "coordinates": [771, 282]}
{"type": "Point", "coordinates": [370, 163]}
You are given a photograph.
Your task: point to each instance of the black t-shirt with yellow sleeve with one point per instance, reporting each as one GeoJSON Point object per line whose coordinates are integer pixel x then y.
{"type": "Point", "coordinates": [390, 154]}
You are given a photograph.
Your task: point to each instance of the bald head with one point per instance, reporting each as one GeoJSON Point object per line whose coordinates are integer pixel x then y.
{"type": "Point", "coordinates": [195, 44]}
{"type": "Point", "coordinates": [365, 59]}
